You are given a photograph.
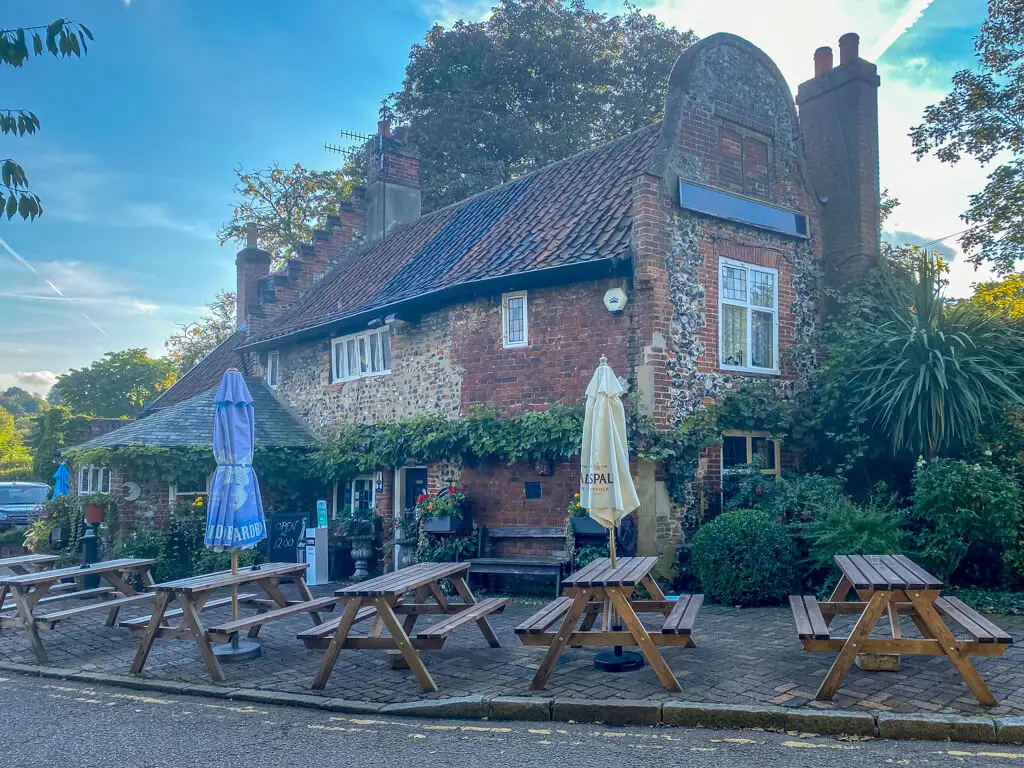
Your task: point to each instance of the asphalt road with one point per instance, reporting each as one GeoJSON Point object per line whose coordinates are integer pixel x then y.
{"type": "Point", "coordinates": [72, 725]}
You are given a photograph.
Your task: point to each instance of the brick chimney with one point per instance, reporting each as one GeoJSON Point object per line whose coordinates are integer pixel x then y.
{"type": "Point", "coordinates": [251, 266]}
{"type": "Point", "coordinates": [393, 180]}
{"type": "Point", "coordinates": [839, 124]}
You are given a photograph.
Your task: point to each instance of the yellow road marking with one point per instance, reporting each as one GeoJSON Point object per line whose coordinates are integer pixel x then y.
{"type": "Point", "coordinates": [733, 741]}
{"type": "Point", "coordinates": [540, 731]}
{"type": "Point", "coordinates": [318, 727]}
{"type": "Point", "coordinates": [703, 749]}
{"type": "Point", "coordinates": [5, 679]}
{"type": "Point", "coordinates": [247, 710]}
{"type": "Point", "coordinates": [961, 753]}
{"type": "Point", "coordinates": [811, 745]}
{"type": "Point", "coordinates": [483, 729]}
{"type": "Point", "coordinates": [440, 727]}
{"type": "Point", "coordinates": [143, 699]}
{"type": "Point", "coordinates": [415, 735]}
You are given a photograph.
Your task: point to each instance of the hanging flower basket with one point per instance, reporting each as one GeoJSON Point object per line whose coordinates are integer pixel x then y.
{"type": "Point", "coordinates": [93, 513]}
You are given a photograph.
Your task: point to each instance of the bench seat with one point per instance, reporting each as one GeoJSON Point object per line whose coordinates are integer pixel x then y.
{"type": "Point", "coordinates": [320, 635]}
{"type": "Point", "coordinates": [312, 606]}
{"type": "Point", "coordinates": [810, 623]}
{"type": "Point", "coordinates": [520, 565]}
{"type": "Point", "coordinates": [980, 628]}
{"type": "Point", "coordinates": [220, 602]}
{"type": "Point", "coordinates": [471, 613]}
{"type": "Point", "coordinates": [70, 613]}
{"type": "Point", "coordinates": [546, 617]}
{"type": "Point", "coordinates": [683, 614]}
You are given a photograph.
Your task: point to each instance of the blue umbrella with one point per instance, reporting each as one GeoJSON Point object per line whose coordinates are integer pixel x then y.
{"type": "Point", "coordinates": [61, 481]}
{"type": "Point", "coordinates": [235, 518]}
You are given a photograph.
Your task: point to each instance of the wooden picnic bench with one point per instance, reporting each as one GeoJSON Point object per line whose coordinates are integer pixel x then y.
{"type": "Point", "coordinates": [894, 586]}
{"type": "Point", "coordinates": [487, 563]}
{"type": "Point", "coordinates": [598, 589]}
{"type": "Point", "coordinates": [383, 599]}
{"type": "Point", "coordinates": [31, 594]}
{"type": "Point", "coordinates": [25, 564]}
{"type": "Point", "coordinates": [196, 594]}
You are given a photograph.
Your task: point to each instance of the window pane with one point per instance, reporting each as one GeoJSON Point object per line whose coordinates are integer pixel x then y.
{"type": "Point", "coordinates": [104, 481]}
{"type": "Point", "coordinates": [761, 340]}
{"type": "Point", "coordinates": [734, 283]}
{"type": "Point", "coordinates": [762, 289]}
{"type": "Point", "coordinates": [83, 480]}
{"type": "Point", "coordinates": [364, 361]}
{"type": "Point", "coordinates": [515, 330]}
{"type": "Point", "coordinates": [374, 353]}
{"type": "Point", "coordinates": [272, 369]}
{"type": "Point", "coordinates": [385, 344]}
{"type": "Point", "coordinates": [765, 449]}
{"type": "Point", "coordinates": [362, 494]}
{"type": "Point", "coordinates": [352, 369]}
{"type": "Point", "coordinates": [734, 451]}
{"type": "Point", "coordinates": [734, 335]}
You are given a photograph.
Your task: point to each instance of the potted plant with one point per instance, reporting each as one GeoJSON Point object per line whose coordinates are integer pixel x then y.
{"type": "Point", "coordinates": [444, 511]}
{"type": "Point", "coordinates": [358, 525]}
{"type": "Point", "coordinates": [94, 507]}
{"type": "Point", "coordinates": [582, 523]}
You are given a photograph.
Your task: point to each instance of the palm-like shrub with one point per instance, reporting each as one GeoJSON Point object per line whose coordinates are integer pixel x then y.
{"type": "Point", "coordinates": [929, 372]}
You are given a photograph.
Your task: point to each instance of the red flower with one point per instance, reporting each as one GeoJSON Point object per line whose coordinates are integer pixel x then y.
{"type": "Point", "coordinates": [421, 498]}
{"type": "Point", "coordinates": [758, 490]}
{"type": "Point", "coordinates": [778, 519]}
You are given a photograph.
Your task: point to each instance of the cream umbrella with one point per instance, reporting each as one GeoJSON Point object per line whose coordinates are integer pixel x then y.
{"type": "Point", "coordinates": [606, 487]}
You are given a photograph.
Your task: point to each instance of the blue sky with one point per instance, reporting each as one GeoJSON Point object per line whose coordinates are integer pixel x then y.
{"type": "Point", "coordinates": [134, 160]}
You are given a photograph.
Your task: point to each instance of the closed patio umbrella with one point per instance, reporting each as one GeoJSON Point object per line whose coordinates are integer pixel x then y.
{"type": "Point", "coordinates": [606, 487]}
{"type": "Point", "coordinates": [61, 481]}
{"type": "Point", "coordinates": [234, 520]}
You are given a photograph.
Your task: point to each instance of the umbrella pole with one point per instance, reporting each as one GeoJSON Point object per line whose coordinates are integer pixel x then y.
{"type": "Point", "coordinates": [611, 545]}
{"type": "Point", "coordinates": [234, 596]}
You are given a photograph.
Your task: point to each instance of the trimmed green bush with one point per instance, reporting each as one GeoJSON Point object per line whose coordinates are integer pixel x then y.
{"type": "Point", "coordinates": [744, 558]}
{"type": "Point", "coordinates": [847, 528]}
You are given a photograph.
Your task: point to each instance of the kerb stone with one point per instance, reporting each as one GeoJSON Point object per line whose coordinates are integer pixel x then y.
{"type": "Point", "coordinates": [611, 711]}
{"type": "Point", "coordinates": [936, 727]}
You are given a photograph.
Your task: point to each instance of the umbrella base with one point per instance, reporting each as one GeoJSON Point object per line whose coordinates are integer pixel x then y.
{"type": "Point", "coordinates": [237, 651]}
{"type": "Point", "coordinates": [618, 661]}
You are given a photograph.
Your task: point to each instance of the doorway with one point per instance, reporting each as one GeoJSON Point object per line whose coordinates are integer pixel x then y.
{"type": "Point", "coordinates": [410, 482]}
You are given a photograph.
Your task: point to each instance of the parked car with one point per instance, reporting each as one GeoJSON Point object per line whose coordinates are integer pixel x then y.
{"type": "Point", "coordinates": [21, 503]}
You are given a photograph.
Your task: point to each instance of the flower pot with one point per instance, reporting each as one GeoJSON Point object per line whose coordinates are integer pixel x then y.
{"type": "Point", "coordinates": [441, 525]}
{"type": "Point", "coordinates": [362, 551]}
{"type": "Point", "coordinates": [588, 526]}
{"type": "Point", "coordinates": [93, 514]}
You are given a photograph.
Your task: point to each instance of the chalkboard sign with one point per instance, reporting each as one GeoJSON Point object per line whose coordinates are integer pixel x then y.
{"type": "Point", "coordinates": [286, 530]}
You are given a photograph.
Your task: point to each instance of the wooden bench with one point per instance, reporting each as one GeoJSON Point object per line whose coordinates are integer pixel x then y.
{"type": "Point", "coordinates": [810, 623]}
{"type": "Point", "coordinates": [547, 616]}
{"type": "Point", "coordinates": [311, 607]}
{"type": "Point", "coordinates": [64, 596]}
{"type": "Point", "coordinates": [680, 620]}
{"type": "Point", "coordinates": [521, 565]}
{"type": "Point", "coordinates": [320, 635]}
{"type": "Point", "coordinates": [220, 602]}
{"type": "Point", "coordinates": [980, 628]}
{"type": "Point", "coordinates": [50, 619]}
{"type": "Point", "coordinates": [473, 613]}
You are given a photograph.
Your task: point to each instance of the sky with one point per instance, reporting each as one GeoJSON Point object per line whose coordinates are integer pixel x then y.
{"type": "Point", "coordinates": [134, 160]}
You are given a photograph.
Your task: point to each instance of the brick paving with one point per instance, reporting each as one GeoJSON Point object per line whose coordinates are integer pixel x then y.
{"type": "Point", "coordinates": [749, 656]}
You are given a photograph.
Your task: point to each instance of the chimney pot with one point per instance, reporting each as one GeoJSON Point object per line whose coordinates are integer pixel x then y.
{"type": "Point", "coordinates": [402, 134]}
{"type": "Point", "coordinates": [822, 60]}
{"type": "Point", "coordinates": [848, 47]}
{"type": "Point", "coordinates": [384, 127]}
{"type": "Point", "coordinates": [251, 235]}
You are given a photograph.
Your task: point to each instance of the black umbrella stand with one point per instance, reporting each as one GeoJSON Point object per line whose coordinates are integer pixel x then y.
{"type": "Point", "coordinates": [236, 650]}
{"type": "Point", "coordinates": [617, 660]}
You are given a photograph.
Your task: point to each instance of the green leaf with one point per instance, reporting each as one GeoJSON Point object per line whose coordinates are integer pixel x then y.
{"type": "Point", "coordinates": [37, 44]}
{"type": "Point", "coordinates": [12, 206]}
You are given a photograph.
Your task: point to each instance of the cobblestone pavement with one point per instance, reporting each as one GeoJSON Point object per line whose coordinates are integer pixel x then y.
{"type": "Point", "coordinates": [749, 656]}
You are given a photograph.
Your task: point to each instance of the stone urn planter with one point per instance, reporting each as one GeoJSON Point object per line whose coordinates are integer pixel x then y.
{"type": "Point", "coordinates": [362, 551]}
{"type": "Point", "coordinates": [406, 552]}
{"type": "Point", "coordinates": [441, 525]}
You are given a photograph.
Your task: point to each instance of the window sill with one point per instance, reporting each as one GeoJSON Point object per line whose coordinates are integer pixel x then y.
{"type": "Point", "coordinates": [517, 345]}
{"type": "Point", "coordinates": [767, 372]}
{"type": "Point", "coordinates": [335, 382]}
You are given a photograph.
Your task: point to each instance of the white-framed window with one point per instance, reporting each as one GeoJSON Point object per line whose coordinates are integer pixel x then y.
{"type": "Point", "coordinates": [363, 499]}
{"type": "Point", "coordinates": [748, 317]}
{"type": "Point", "coordinates": [93, 480]}
{"type": "Point", "coordinates": [361, 354]}
{"type": "Point", "coordinates": [515, 329]}
{"type": "Point", "coordinates": [273, 362]}
{"type": "Point", "coordinates": [740, 448]}
{"type": "Point", "coordinates": [189, 487]}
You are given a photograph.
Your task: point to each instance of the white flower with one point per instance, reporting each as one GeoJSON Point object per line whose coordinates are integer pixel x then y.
{"type": "Point", "coordinates": [988, 453]}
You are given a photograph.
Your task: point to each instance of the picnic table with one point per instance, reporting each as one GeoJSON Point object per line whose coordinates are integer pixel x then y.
{"type": "Point", "coordinates": [33, 599]}
{"type": "Point", "coordinates": [24, 564]}
{"type": "Point", "coordinates": [894, 585]}
{"type": "Point", "coordinates": [384, 599]}
{"type": "Point", "coordinates": [599, 589]}
{"type": "Point", "coordinates": [195, 595]}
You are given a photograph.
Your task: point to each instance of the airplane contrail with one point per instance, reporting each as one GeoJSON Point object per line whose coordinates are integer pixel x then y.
{"type": "Point", "coordinates": [94, 325]}
{"type": "Point", "coordinates": [906, 20]}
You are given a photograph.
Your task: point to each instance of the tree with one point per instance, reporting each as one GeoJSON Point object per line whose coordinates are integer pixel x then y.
{"type": "Point", "coordinates": [536, 82]}
{"type": "Point", "coordinates": [194, 341]}
{"type": "Point", "coordinates": [118, 385]}
{"type": "Point", "coordinates": [285, 204]}
{"type": "Point", "coordinates": [981, 118]}
{"type": "Point", "coordinates": [15, 461]}
{"type": "Point", "coordinates": [20, 402]}
{"type": "Point", "coordinates": [1004, 298]}
{"type": "Point", "coordinates": [61, 38]}
{"type": "Point", "coordinates": [928, 374]}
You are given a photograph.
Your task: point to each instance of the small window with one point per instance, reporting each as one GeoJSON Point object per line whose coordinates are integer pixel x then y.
{"type": "Point", "coordinates": [93, 480]}
{"type": "Point", "coordinates": [362, 494]}
{"type": "Point", "coordinates": [743, 448]}
{"type": "Point", "coordinates": [748, 318]}
{"type": "Point", "coordinates": [189, 487]}
{"type": "Point", "coordinates": [533, 490]}
{"type": "Point", "coordinates": [514, 325]}
{"type": "Point", "coordinates": [361, 354]}
{"type": "Point", "coordinates": [273, 361]}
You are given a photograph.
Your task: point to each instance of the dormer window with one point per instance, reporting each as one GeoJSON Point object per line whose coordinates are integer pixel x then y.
{"type": "Point", "coordinates": [361, 355]}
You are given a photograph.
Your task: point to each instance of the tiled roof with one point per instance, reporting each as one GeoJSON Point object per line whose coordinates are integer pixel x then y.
{"type": "Point", "coordinates": [571, 212]}
{"type": "Point", "coordinates": [205, 374]}
{"type": "Point", "coordinates": [191, 423]}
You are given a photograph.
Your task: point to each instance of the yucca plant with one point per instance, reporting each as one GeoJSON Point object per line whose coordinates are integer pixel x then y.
{"type": "Point", "coordinates": [930, 372]}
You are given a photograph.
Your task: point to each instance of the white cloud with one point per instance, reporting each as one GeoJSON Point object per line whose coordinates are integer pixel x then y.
{"type": "Point", "coordinates": [38, 382]}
